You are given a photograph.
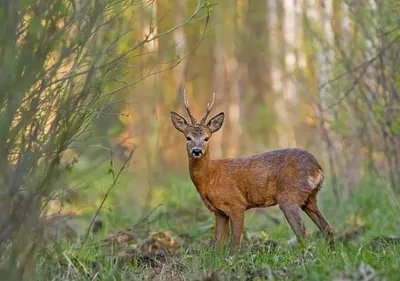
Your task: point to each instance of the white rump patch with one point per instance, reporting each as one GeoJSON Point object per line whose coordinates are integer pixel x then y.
{"type": "Point", "coordinates": [314, 181]}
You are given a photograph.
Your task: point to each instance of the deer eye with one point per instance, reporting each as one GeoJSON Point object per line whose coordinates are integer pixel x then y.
{"type": "Point", "coordinates": [206, 139]}
{"type": "Point", "coordinates": [189, 138]}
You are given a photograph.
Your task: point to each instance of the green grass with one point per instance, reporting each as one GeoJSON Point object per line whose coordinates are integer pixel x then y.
{"type": "Point", "coordinates": [183, 213]}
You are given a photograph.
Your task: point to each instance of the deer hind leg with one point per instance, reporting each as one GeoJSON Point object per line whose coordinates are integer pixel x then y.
{"type": "Point", "coordinates": [312, 210]}
{"type": "Point", "coordinates": [292, 215]}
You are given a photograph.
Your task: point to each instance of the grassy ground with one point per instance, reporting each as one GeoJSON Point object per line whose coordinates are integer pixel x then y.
{"type": "Point", "coordinates": [187, 227]}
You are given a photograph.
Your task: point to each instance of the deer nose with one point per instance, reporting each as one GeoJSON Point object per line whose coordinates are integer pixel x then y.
{"type": "Point", "coordinates": [196, 151]}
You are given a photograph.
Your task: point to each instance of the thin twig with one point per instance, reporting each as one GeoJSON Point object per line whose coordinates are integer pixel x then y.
{"type": "Point", "coordinates": [114, 183]}
{"type": "Point", "coordinates": [150, 73]}
{"type": "Point", "coordinates": [364, 64]}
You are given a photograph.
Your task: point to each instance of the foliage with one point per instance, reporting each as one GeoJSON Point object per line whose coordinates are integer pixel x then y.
{"type": "Point", "coordinates": [358, 85]}
{"type": "Point", "coordinates": [56, 59]}
{"type": "Point", "coordinates": [259, 259]}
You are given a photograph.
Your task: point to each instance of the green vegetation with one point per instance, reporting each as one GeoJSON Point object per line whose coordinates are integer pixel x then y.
{"type": "Point", "coordinates": [265, 253]}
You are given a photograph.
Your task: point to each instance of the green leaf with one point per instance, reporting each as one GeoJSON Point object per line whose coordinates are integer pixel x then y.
{"type": "Point", "coordinates": [379, 108]}
{"type": "Point", "coordinates": [35, 26]}
{"type": "Point", "coordinates": [395, 128]}
{"type": "Point", "coordinates": [111, 171]}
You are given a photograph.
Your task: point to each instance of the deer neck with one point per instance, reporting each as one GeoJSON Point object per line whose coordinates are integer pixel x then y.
{"type": "Point", "coordinates": [200, 171]}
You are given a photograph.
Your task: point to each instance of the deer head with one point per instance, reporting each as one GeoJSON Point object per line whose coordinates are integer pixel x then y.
{"type": "Point", "coordinates": [197, 133]}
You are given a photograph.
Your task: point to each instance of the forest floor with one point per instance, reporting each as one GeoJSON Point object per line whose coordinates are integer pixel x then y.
{"type": "Point", "coordinates": [172, 242]}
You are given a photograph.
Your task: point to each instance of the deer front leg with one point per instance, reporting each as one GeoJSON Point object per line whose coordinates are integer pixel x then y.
{"type": "Point", "coordinates": [221, 228]}
{"type": "Point", "coordinates": [237, 220]}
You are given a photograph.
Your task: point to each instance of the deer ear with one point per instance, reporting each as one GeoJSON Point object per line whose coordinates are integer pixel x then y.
{"type": "Point", "coordinates": [179, 122]}
{"type": "Point", "coordinates": [216, 122]}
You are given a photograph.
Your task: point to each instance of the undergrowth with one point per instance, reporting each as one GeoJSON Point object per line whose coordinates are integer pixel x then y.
{"type": "Point", "coordinates": [364, 224]}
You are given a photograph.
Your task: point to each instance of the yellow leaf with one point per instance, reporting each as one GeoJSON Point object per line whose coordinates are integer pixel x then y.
{"type": "Point", "coordinates": [355, 220]}
{"type": "Point", "coordinates": [264, 235]}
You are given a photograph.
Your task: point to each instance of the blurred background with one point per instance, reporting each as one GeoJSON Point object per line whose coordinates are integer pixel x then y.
{"type": "Point", "coordinates": [287, 74]}
{"type": "Point", "coordinates": [319, 75]}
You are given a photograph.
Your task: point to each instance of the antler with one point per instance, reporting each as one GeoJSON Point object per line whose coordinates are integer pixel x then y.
{"type": "Point", "coordinates": [186, 103]}
{"type": "Point", "coordinates": [209, 107]}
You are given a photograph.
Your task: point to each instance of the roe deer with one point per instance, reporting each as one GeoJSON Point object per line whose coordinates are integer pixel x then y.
{"type": "Point", "coordinates": [289, 177]}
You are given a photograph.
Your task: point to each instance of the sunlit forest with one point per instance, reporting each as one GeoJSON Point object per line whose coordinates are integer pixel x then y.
{"type": "Point", "coordinates": [96, 182]}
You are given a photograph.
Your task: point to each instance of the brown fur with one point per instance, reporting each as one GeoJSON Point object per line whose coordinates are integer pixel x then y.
{"type": "Point", "coordinates": [289, 177]}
